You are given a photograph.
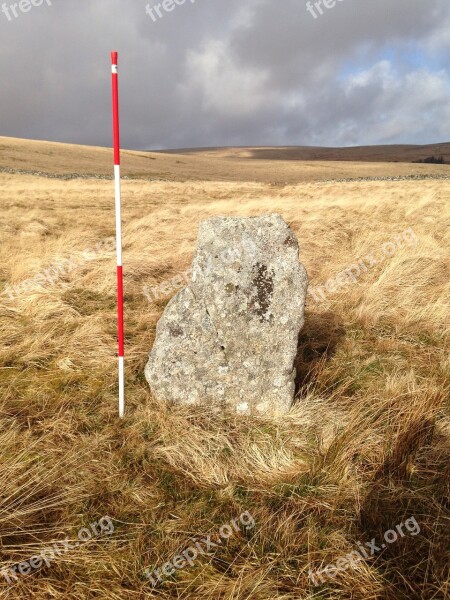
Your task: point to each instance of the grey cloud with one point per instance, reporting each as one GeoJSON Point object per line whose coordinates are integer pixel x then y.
{"type": "Point", "coordinates": [228, 72]}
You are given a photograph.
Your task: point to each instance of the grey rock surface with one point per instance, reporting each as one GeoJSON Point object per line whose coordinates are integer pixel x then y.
{"type": "Point", "coordinates": [230, 337]}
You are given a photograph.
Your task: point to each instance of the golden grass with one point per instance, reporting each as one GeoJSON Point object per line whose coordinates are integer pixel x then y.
{"type": "Point", "coordinates": [278, 166]}
{"type": "Point", "coordinates": [365, 447]}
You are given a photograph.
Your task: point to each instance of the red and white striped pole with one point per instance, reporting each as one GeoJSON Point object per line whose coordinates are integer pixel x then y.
{"type": "Point", "coordinates": [116, 136]}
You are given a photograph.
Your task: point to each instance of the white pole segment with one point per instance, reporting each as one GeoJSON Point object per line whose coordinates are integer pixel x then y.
{"type": "Point", "coordinates": [120, 327]}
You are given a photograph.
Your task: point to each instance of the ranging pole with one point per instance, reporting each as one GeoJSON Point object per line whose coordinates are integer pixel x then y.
{"type": "Point", "coordinates": [116, 136]}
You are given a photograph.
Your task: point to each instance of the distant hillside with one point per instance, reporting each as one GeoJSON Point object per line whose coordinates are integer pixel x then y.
{"type": "Point", "coordinates": [393, 153]}
{"type": "Point", "coordinates": [278, 166]}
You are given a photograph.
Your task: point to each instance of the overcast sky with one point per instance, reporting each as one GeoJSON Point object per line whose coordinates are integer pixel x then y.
{"type": "Point", "coordinates": [228, 72]}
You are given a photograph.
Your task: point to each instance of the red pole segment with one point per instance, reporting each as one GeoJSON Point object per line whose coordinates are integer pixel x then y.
{"type": "Point", "coordinates": [116, 138]}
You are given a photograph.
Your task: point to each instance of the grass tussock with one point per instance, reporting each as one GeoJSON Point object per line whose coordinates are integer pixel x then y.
{"type": "Point", "coordinates": [365, 447]}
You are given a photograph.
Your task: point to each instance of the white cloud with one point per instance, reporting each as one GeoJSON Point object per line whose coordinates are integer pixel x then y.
{"type": "Point", "coordinates": [226, 88]}
{"type": "Point", "coordinates": [380, 73]}
{"type": "Point", "coordinates": [399, 107]}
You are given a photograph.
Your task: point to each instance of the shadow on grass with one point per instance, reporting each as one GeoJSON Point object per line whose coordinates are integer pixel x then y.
{"type": "Point", "coordinates": [412, 482]}
{"type": "Point", "coordinates": [317, 343]}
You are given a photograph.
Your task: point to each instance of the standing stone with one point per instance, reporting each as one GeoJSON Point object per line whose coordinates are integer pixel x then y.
{"type": "Point", "coordinates": [230, 337]}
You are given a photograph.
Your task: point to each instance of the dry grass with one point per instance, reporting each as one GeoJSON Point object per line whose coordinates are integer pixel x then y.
{"type": "Point", "coordinates": [278, 166]}
{"type": "Point", "coordinates": [366, 446]}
